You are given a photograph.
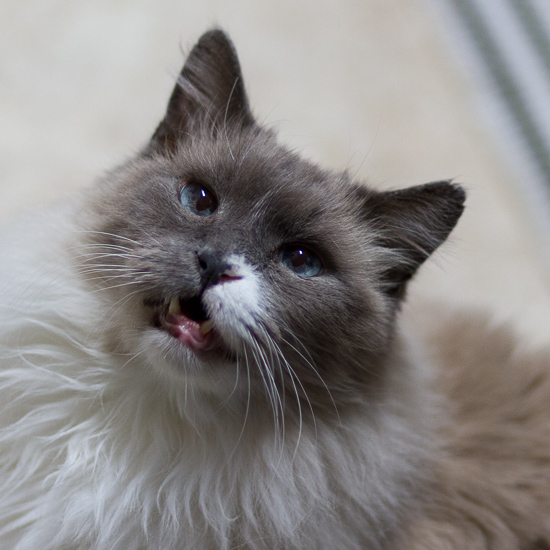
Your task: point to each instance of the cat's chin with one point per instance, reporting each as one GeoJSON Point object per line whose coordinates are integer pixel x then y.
{"type": "Point", "coordinates": [193, 343]}
{"type": "Point", "coordinates": [171, 354]}
{"type": "Point", "coordinates": [186, 350]}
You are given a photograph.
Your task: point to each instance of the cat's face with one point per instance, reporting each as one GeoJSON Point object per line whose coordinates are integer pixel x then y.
{"type": "Point", "coordinates": [230, 263]}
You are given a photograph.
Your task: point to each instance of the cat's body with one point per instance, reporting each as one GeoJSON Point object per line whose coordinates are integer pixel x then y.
{"type": "Point", "coordinates": [205, 353]}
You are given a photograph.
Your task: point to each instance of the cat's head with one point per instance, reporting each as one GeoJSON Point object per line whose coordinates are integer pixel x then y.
{"type": "Point", "coordinates": [229, 263]}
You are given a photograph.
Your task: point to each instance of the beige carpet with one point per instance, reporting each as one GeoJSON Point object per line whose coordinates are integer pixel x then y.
{"type": "Point", "coordinates": [363, 84]}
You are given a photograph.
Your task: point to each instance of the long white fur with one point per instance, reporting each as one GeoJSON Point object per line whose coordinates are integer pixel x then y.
{"type": "Point", "coordinates": [98, 452]}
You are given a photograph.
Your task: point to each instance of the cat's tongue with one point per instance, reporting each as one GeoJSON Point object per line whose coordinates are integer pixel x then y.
{"type": "Point", "coordinates": [192, 334]}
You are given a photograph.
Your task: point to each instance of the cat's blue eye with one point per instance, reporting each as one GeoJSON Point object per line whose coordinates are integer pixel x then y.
{"type": "Point", "coordinates": [198, 199]}
{"type": "Point", "coordinates": [301, 260]}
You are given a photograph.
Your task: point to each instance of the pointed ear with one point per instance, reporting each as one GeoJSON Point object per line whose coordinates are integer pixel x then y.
{"type": "Point", "coordinates": [413, 222]}
{"type": "Point", "coordinates": [210, 90]}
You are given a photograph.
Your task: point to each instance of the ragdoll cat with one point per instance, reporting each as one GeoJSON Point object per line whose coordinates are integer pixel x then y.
{"type": "Point", "coordinates": [205, 352]}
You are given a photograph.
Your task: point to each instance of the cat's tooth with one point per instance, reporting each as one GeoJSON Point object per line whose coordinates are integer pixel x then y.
{"type": "Point", "coordinates": [206, 327]}
{"type": "Point", "coordinates": [174, 307]}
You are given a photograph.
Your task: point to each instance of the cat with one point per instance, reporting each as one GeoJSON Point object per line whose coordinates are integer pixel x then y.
{"type": "Point", "coordinates": [207, 350]}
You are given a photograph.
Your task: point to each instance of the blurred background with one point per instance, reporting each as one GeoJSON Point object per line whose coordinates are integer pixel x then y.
{"type": "Point", "coordinates": [399, 92]}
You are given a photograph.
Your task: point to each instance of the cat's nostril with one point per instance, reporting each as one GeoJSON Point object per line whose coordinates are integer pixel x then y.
{"type": "Point", "coordinates": [212, 266]}
{"type": "Point", "coordinates": [209, 260]}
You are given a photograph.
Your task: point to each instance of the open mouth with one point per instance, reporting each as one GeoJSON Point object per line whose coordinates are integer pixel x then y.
{"type": "Point", "coordinates": [188, 322]}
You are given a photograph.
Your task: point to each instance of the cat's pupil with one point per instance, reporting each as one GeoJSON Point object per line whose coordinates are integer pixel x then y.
{"type": "Point", "coordinates": [205, 201]}
{"type": "Point", "coordinates": [301, 260]}
{"type": "Point", "coordinates": [198, 199]}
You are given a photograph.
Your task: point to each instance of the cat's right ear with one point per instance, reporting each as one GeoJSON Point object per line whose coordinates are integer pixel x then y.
{"type": "Point", "coordinates": [411, 223]}
{"type": "Point", "coordinates": [209, 93]}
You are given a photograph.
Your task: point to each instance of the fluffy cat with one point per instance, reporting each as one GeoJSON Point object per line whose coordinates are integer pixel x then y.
{"type": "Point", "coordinates": [206, 351]}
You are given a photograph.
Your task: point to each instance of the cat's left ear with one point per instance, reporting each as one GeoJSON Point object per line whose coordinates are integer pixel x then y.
{"type": "Point", "coordinates": [412, 223]}
{"type": "Point", "coordinates": [209, 93]}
